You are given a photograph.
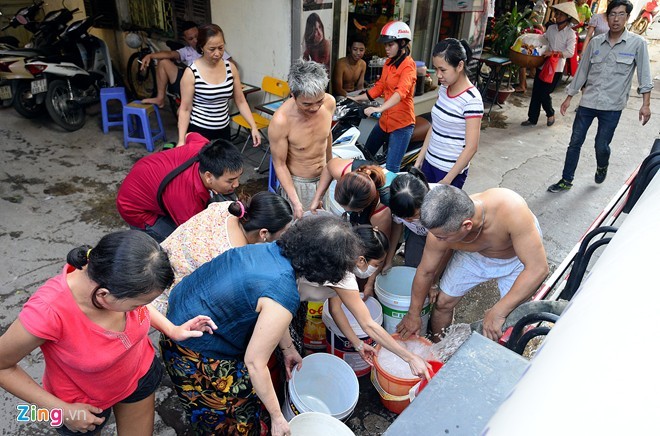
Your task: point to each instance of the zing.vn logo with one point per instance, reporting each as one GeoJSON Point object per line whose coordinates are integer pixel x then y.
{"type": "Point", "coordinates": [31, 413]}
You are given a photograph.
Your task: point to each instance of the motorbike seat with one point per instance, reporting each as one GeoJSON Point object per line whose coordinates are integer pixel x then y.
{"type": "Point", "coordinates": [422, 126]}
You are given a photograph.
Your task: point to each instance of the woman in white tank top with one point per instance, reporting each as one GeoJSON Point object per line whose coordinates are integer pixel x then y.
{"type": "Point", "coordinates": [207, 86]}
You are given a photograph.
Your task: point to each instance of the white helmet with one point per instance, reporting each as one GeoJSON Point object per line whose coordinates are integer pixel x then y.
{"type": "Point", "coordinates": [394, 31]}
{"type": "Point", "coordinates": [133, 40]}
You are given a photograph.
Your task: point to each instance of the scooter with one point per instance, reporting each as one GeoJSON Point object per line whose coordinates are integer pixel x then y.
{"type": "Point", "coordinates": [14, 77]}
{"type": "Point", "coordinates": [646, 16]}
{"type": "Point", "coordinates": [345, 134]}
{"type": "Point", "coordinates": [23, 17]}
{"type": "Point", "coordinates": [67, 84]}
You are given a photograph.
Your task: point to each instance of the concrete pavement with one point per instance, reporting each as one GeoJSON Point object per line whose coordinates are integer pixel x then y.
{"type": "Point", "coordinates": [57, 191]}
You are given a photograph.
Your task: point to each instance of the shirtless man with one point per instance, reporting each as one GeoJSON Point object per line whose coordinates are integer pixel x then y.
{"type": "Point", "coordinates": [300, 135]}
{"type": "Point", "coordinates": [472, 239]}
{"type": "Point", "coordinates": [349, 71]}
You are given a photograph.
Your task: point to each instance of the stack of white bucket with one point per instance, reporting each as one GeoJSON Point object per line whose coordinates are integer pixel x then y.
{"type": "Point", "coordinates": [325, 384]}
{"type": "Point", "coordinates": [342, 347]}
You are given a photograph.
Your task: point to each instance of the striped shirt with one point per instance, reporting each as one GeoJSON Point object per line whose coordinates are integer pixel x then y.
{"type": "Point", "coordinates": [210, 105]}
{"type": "Point", "coordinates": [449, 115]}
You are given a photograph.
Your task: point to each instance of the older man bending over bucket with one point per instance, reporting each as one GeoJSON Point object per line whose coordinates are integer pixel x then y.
{"type": "Point", "coordinates": [473, 239]}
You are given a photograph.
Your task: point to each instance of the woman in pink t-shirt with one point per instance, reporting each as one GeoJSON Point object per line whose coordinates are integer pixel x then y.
{"type": "Point", "coordinates": [91, 324]}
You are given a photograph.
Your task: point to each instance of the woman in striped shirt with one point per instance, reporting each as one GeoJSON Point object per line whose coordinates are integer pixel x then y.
{"type": "Point", "coordinates": [206, 88]}
{"type": "Point", "coordinates": [453, 140]}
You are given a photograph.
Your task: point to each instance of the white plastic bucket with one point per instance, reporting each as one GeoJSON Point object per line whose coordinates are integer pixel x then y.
{"type": "Point", "coordinates": [318, 424]}
{"type": "Point", "coordinates": [393, 291]}
{"type": "Point", "coordinates": [342, 347]}
{"type": "Point", "coordinates": [325, 384]}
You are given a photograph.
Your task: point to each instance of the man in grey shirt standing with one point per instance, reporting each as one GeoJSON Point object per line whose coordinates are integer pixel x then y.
{"type": "Point", "coordinates": [604, 76]}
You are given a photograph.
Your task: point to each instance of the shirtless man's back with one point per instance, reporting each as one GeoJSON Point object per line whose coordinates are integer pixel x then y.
{"type": "Point", "coordinates": [300, 134]}
{"type": "Point", "coordinates": [489, 235]}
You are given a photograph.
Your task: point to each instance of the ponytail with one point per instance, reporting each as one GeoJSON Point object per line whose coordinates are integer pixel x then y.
{"type": "Point", "coordinates": [79, 256]}
{"type": "Point", "coordinates": [375, 173]}
{"type": "Point", "coordinates": [407, 193]}
{"type": "Point", "coordinates": [264, 210]}
{"type": "Point", "coordinates": [128, 264]}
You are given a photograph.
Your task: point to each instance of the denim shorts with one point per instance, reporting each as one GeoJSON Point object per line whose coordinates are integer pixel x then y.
{"type": "Point", "coordinates": [147, 385]}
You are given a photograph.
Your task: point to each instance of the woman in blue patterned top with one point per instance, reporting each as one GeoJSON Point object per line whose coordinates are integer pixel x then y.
{"type": "Point", "coordinates": [252, 294]}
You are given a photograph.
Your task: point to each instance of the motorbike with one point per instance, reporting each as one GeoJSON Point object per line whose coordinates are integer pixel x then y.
{"type": "Point", "coordinates": [646, 17]}
{"type": "Point", "coordinates": [23, 17]}
{"type": "Point", "coordinates": [14, 77]}
{"type": "Point", "coordinates": [66, 84]}
{"type": "Point", "coordinates": [345, 135]}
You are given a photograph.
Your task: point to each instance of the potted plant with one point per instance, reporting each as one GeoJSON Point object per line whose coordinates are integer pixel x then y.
{"type": "Point", "coordinates": [506, 29]}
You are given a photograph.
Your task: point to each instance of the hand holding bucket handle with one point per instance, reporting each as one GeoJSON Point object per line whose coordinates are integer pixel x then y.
{"type": "Point", "coordinates": [420, 367]}
{"type": "Point", "coordinates": [415, 390]}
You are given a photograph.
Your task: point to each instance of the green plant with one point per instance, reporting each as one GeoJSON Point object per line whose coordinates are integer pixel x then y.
{"type": "Point", "coordinates": [508, 27]}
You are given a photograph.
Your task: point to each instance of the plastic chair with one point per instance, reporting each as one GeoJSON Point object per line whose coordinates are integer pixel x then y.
{"type": "Point", "coordinates": [112, 119]}
{"type": "Point", "coordinates": [142, 133]}
{"type": "Point", "coordinates": [271, 86]}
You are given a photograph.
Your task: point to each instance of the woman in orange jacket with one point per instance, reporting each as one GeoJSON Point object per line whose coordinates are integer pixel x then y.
{"type": "Point", "coordinates": [397, 86]}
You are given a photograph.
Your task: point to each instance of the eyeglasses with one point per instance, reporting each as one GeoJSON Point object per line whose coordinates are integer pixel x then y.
{"type": "Point", "coordinates": [617, 14]}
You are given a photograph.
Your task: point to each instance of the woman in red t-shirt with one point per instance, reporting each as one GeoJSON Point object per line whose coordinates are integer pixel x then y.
{"type": "Point", "coordinates": [91, 324]}
{"type": "Point", "coordinates": [397, 86]}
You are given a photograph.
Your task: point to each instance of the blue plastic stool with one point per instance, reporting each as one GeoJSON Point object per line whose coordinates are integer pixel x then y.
{"type": "Point", "coordinates": [142, 133]}
{"type": "Point", "coordinates": [112, 119]}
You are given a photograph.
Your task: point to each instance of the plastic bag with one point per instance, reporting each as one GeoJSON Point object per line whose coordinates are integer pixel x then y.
{"type": "Point", "coordinates": [547, 73]}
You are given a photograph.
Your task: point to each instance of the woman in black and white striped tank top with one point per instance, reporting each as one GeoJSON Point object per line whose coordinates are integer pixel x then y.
{"type": "Point", "coordinates": [207, 86]}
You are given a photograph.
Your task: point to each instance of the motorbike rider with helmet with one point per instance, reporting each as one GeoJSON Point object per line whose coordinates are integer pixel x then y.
{"type": "Point", "coordinates": [397, 86]}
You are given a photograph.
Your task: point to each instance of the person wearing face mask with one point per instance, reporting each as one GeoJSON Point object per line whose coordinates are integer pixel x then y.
{"type": "Point", "coordinates": [407, 194]}
{"type": "Point", "coordinates": [223, 380]}
{"type": "Point", "coordinates": [346, 292]}
{"type": "Point", "coordinates": [221, 227]}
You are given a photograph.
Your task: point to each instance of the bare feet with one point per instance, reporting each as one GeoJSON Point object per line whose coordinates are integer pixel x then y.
{"type": "Point", "coordinates": [520, 90]}
{"type": "Point", "coordinates": [160, 102]}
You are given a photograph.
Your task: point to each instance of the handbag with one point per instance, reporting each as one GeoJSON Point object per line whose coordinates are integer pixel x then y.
{"type": "Point", "coordinates": [547, 73]}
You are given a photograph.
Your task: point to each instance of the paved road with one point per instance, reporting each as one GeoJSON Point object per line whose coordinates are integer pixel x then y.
{"type": "Point", "coordinates": [57, 191]}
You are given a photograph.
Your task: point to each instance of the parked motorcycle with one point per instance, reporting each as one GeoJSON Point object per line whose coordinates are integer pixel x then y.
{"type": "Point", "coordinates": [345, 134]}
{"type": "Point", "coordinates": [646, 17]}
{"type": "Point", "coordinates": [15, 79]}
{"type": "Point", "coordinates": [66, 84]}
{"type": "Point", "coordinates": [25, 17]}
